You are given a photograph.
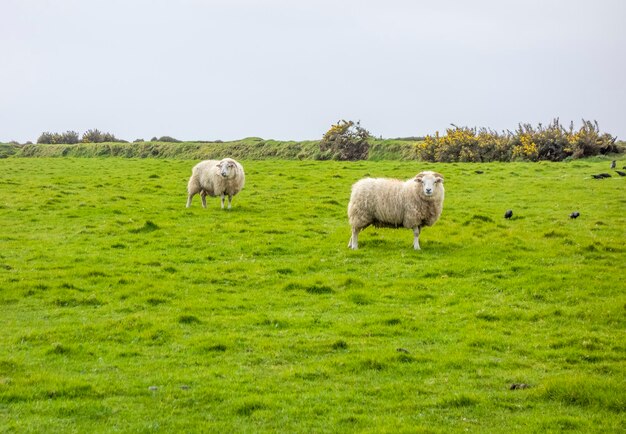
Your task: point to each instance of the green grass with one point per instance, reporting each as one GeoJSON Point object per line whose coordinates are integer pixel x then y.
{"type": "Point", "coordinates": [121, 310]}
{"type": "Point", "coordinates": [252, 148]}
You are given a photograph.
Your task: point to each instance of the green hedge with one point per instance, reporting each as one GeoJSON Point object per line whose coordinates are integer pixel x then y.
{"type": "Point", "coordinates": [249, 149]}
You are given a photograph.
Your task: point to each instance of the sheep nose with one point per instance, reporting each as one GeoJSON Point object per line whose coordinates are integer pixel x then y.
{"type": "Point", "coordinates": [429, 190]}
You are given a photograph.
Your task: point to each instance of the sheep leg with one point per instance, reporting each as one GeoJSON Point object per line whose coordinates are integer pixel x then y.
{"type": "Point", "coordinates": [223, 195]}
{"type": "Point", "coordinates": [354, 239]}
{"type": "Point", "coordinates": [189, 197]}
{"type": "Point", "coordinates": [416, 238]}
{"type": "Point", "coordinates": [230, 200]}
{"type": "Point", "coordinates": [203, 196]}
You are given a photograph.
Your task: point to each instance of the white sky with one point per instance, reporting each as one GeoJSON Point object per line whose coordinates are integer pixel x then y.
{"type": "Point", "coordinates": [288, 69]}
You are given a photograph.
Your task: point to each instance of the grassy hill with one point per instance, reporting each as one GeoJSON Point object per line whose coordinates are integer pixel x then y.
{"type": "Point", "coordinates": [124, 311]}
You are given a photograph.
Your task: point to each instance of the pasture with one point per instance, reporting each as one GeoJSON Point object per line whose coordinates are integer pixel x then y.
{"type": "Point", "coordinates": [121, 310]}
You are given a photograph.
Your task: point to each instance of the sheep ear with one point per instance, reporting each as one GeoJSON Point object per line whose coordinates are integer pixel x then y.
{"type": "Point", "coordinates": [418, 178]}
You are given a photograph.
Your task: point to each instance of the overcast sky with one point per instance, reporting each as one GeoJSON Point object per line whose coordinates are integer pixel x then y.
{"type": "Point", "coordinates": [287, 69]}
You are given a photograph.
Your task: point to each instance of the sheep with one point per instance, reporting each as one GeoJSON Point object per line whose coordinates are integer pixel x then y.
{"type": "Point", "coordinates": [216, 178]}
{"type": "Point", "coordinates": [384, 202]}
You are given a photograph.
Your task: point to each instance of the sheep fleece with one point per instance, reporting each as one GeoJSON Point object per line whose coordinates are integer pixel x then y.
{"type": "Point", "coordinates": [393, 203]}
{"type": "Point", "coordinates": [206, 180]}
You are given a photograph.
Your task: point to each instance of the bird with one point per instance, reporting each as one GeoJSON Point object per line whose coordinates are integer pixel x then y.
{"type": "Point", "coordinates": [597, 176]}
{"type": "Point", "coordinates": [574, 215]}
{"type": "Point", "coordinates": [613, 164]}
{"type": "Point", "coordinates": [620, 173]}
{"type": "Point", "coordinates": [478, 172]}
{"type": "Point", "coordinates": [508, 214]}
{"type": "Point", "coordinates": [605, 175]}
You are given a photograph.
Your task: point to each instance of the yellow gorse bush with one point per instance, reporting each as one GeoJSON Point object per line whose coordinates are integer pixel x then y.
{"type": "Point", "coordinates": [345, 140]}
{"type": "Point", "coordinates": [552, 142]}
{"type": "Point", "coordinates": [527, 149]}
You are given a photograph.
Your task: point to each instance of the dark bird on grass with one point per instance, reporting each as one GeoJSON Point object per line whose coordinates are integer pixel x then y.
{"type": "Point", "coordinates": [620, 173]}
{"type": "Point", "coordinates": [479, 172]}
{"type": "Point", "coordinates": [613, 164]}
{"type": "Point", "coordinates": [574, 215]}
{"type": "Point", "coordinates": [605, 175]}
{"type": "Point", "coordinates": [508, 214]}
{"type": "Point", "coordinates": [517, 386]}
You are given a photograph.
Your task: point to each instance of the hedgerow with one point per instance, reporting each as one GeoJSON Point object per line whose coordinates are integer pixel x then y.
{"type": "Point", "coordinates": [348, 140]}
{"type": "Point", "coordinates": [552, 143]}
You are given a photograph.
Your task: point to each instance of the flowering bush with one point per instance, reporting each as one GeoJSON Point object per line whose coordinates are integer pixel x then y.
{"type": "Point", "coordinates": [466, 144]}
{"type": "Point", "coordinates": [553, 143]}
{"type": "Point", "coordinates": [345, 140]}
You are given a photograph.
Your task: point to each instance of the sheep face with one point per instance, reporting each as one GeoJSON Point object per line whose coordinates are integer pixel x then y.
{"type": "Point", "coordinates": [430, 183]}
{"type": "Point", "coordinates": [227, 168]}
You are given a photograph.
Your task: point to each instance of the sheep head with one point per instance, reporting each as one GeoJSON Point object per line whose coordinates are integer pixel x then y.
{"type": "Point", "coordinates": [430, 183]}
{"type": "Point", "coordinates": [227, 168]}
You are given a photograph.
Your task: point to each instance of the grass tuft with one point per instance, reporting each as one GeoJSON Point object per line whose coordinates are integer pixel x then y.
{"type": "Point", "coordinates": [220, 348]}
{"type": "Point", "coordinates": [458, 401]}
{"type": "Point", "coordinates": [582, 391]}
{"type": "Point", "coordinates": [247, 408]}
{"type": "Point", "coordinates": [148, 226]}
{"type": "Point", "coordinates": [319, 289]}
{"type": "Point", "coordinates": [340, 345]}
{"type": "Point", "coordinates": [58, 348]}
{"type": "Point", "coordinates": [188, 319]}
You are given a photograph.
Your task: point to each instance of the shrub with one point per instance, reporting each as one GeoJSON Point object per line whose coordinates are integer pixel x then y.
{"type": "Point", "coordinates": [47, 138]}
{"type": "Point", "coordinates": [68, 137]}
{"type": "Point", "coordinates": [552, 143]}
{"type": "Point", "coordinates": [168, 139]}
{"type": "Point", "coordinates": [108, 137]}
{"type": "Point", "coordinates": [345, 140]}
{"type": "Point", "coordinates": [92, 136]}
{"type": "Point", "coordinates": [588, 141]}
{"type": "Point", "coordinates": [96, 136]}
{"type": "Point", "coordinates": [466, 144]}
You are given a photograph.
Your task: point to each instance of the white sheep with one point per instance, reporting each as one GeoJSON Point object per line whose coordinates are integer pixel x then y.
{"type": "Point", "coordinates": [216, 178]}
{"type": "Point", "coordinates": [384, 202]}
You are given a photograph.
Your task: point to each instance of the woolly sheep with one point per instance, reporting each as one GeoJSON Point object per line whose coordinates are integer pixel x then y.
{"type": "Point", "coordinates": [216, 178]}
{"type": "Point", "coordinates": [384, 202]}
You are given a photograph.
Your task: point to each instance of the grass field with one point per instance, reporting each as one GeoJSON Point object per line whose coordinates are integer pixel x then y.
{"type": "Point", "coordinates": [121, 310]}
